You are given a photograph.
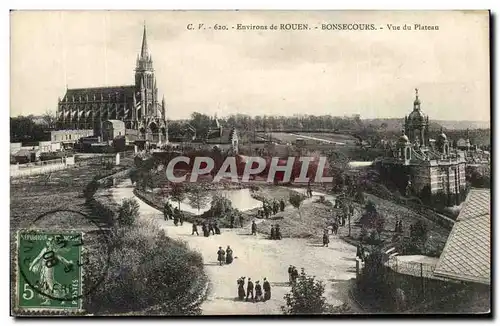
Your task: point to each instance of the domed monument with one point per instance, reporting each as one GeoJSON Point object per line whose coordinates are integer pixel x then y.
{"type": "Point", "coordinates": [425, 165]}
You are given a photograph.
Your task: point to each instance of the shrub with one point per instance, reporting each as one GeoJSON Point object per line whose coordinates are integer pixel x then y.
{"type": "Point", "coordinates": [306, 296]}
{"type": "Point", "coordinates": [128, 213]}
{"type": "Point", "coordinates": [90, 189]}
{"type": "Point", "coordinates": [149, 272]}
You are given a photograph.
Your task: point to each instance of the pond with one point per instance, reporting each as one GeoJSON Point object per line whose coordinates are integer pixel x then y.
{"type": "Point", "coordinates": [240, 198]}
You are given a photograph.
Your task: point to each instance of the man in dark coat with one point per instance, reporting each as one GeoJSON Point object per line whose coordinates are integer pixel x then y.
{"type": "Point", "coordinates": [216, 228]}
{"type": "Point", "coordinates": [258, 291]}
{"type": "Point", "coordinates": [267, 290]}
{"type": "Point", "coordinates": [181, 217]}
{"type": "Point", "coordinates": [232, 221]}
{"type": "Point", "coordinates": [195, 228]}
{"type": "Point", "coordinates": [273, 233]}
{"type": "Point", "coordinates": [249, 288]}
{"type": "Point", "coordinates": [290, 271]}
{"type": "Point", "coordinates": [221, 256]}
{"type": "Point", "coordinates": [282, 205]}
{"type": "Point", "coordinates": [278, 232]}
{"type": "Point", "coordinates": [254, 228]}
{"type": "Point", "coordinates": [176, 216]}
{"type": "Point", "coordinates": [325, 239]}
{"type": "Point", "coordinates": [211, 227]}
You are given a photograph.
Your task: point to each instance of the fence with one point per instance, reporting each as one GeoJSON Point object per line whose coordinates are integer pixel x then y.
{"type": "Point", "coordinates": [41, 167]}
{"type": "Point", "coordinates": [34, 168]}
{"type": "Point", "coordinates": [398, 285]}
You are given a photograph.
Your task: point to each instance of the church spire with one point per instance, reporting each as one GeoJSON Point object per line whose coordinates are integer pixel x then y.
{"type": "Point", "coordinates": [144, 48]}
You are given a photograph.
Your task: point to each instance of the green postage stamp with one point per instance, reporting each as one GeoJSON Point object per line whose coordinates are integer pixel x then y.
{"type": "Point", "coordinates": [50, 271]}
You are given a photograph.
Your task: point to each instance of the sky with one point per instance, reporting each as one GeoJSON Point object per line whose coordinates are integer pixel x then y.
{"type": "Point", "coordinates": [255, 72]}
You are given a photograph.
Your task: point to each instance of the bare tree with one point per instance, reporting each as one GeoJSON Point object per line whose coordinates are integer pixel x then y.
{"type": "Point", "coordinates": [50, 118]}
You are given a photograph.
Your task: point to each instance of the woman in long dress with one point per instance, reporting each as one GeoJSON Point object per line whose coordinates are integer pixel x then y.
{"type": "Point", "coordinates": [229, 255]}
{"type": "Point", "coordinates": [241, 288]}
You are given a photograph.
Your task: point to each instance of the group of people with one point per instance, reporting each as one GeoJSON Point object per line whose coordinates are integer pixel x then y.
{"type": "Point", "coordinates": [293, 274]}
{"type": "Point", "coordinates": [233, 219]}
{"type": "Point", "coordinates": [225, 257]}
{"type": "Point", "coordinates": [271, 208]}
{"type": "Point", "coordinates": [170, 213]}
{"type": "Point", "coordinates": [399, 226]}
{"type": "Point", "coordinates": [259, 294]}
{"type": "Point", "coordinates": [211, 226]}
{"type": "Point", "coordinates": [275, 232]}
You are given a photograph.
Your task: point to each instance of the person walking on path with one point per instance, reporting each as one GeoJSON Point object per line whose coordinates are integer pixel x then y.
{"type": "Point", "coordinates": [221, 256]}
{"type": "Point", "coordinates": [229, 255]}
{"type": "Point", "coordinates": [258, 291]}
{"type": "Point", "coordinates": [295, 275]}
{"type": "Point", "coordinates": [167, 211]}
{"type": "Point", "coordinates": [290, 271]}
{"type": "Point", "coordinates": [176, 216]}
{"type": "Point", "coordinates": [240, 217]}
{"type": "Point", "coordinates": [181, 218]}
{"type": "Point", "coordinates": [278, 232]}
{"type": "Point", "coordinates": [273, 233]}
{"type": "Point", "coordinates": [195, 229]}
{"type": "Point", "coordinates": [216, 228]}
{"type": "Point", "coordinates": [326, 240]}
{"type": "Point", "coordinates": [250, 288]}
{"type": "Point", "coordinates": [267, 290]}
{"type": "Point", "coordinates": [335, 227]}
{"type": "Point", "coordinates": [211, 227]}
{"type": "Point", "coordinates": [282, 205]}
{"type": "Point", "coordinates": [241, 288]}
{"type": "Point", "coordinates": [254, 228]}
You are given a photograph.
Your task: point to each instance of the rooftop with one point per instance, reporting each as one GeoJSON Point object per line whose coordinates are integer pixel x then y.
{"type": "Point", "coordinates": [466, 255]}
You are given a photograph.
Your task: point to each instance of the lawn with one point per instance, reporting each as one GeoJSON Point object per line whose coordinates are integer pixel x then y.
{"type": "Point", "coordinates": [314, 217]}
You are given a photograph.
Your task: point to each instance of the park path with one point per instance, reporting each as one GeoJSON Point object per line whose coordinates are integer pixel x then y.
{"type": "Point", "coordinates": [257, 257]}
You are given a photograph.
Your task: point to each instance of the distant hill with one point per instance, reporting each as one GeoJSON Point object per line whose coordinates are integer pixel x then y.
{"type": "Point", "coordinates": [397, 124]}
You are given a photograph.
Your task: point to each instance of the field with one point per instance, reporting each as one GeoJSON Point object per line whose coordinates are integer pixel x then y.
{"type": "Point", "coordinates": [31, 196]}
{"type": "Point", "coordinates": [308, 138]}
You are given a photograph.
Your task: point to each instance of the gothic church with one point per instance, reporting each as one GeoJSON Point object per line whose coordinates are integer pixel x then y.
{"type": "Point", "coordinates": [135, 105]}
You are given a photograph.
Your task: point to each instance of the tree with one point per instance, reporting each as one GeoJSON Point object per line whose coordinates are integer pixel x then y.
{"type": "Point", "coordinates": [128, 212]}
{"type": "Point", "coordinates": [178, 192]}
{"type": "Point", "coordinates": [49, 118]}
{"type": "Point", "coordinates": [296, 200]}
{"type": "Point", "coordinates": [198, 196]}
{"type": "Point", "coordinates": [371, 219]}
{"type": "Point", "coordinates": [25, 129]}
{"type": "Point", "coordinates": [305, 297]}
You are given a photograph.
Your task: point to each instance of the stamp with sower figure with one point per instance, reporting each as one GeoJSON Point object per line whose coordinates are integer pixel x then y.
{"type": "Point", "coordinates": [50, 274]}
